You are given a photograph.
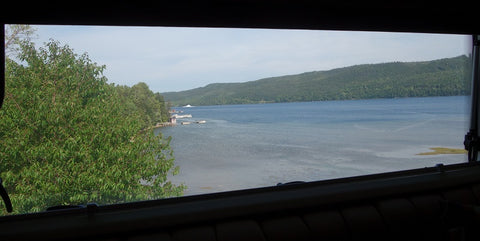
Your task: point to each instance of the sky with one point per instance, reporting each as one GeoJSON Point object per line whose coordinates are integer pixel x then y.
{"type": "Point", "coordinates": [175, 59]}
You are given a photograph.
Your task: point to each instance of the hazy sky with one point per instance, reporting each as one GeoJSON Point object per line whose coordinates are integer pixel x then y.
{"type": "Point", "coordinates": [173, 59]}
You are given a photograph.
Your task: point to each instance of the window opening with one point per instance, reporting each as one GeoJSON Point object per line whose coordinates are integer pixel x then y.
{"type": "Point", "coordinates": [121, 114]}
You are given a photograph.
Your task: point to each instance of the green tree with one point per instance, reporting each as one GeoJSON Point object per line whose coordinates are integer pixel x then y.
{"type": "Point", "coordinates": [15, 33]}
{"type": "Point", "coordinates": [164, 114]}
{"type": "Point", "coordinates": [141, 100]}
{"type": "Point", "coordinates": [68, 137]}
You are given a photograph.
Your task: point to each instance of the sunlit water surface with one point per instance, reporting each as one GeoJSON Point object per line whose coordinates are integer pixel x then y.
{"type": "Point", "coordinates": [246, 146]}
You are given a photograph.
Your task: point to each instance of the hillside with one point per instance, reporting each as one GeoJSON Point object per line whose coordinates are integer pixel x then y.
{"type": "Point", "coordinates": [443, 77]}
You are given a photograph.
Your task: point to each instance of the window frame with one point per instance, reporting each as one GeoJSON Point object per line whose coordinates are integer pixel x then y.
{"type": "Point", "coordinates": [302, 14]}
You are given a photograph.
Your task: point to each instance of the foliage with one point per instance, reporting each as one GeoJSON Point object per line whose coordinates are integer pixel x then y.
{"type": "Point", "coordinates": [139, 98]}
{"type": "Point", "coordinates": [14, 34]}
{"type": "Point", "coordinates": [442, 77]}
{"type": "Point", "coordinates": [68, 137]}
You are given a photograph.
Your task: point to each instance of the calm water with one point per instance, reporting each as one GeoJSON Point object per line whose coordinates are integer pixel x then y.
{"type": "Point", "coordinates": [245, 146]}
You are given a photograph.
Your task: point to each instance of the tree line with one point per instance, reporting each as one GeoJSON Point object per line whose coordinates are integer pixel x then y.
{"type": "Point", "coordinates": [68, 137]}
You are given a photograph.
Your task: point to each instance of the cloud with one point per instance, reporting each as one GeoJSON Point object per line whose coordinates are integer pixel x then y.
{"type": "Point", "coordinates": [172, 59]}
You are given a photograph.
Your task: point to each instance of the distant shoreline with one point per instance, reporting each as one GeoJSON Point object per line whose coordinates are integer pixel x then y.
{"type": "Point", "coordinates": [266, 103]}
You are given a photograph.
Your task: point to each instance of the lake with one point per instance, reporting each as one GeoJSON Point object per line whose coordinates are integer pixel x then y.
{"type": "Point", "coordinates": [247, 146]}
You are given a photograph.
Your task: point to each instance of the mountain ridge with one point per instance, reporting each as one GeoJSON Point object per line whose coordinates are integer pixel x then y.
{"type": "Point", "coordinates": [439, 77]}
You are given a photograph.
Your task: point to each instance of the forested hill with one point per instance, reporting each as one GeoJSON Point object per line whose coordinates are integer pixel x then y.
{"type": "Point", "coordinates": [443, 77]}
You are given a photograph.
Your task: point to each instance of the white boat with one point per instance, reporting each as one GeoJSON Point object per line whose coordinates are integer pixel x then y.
{"type": "Point", "coordinates": [187, 106]}
{"type": "Point", "coordinates": [186, 123]}
{"type": "Point", "coordinates": [201, 122]}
